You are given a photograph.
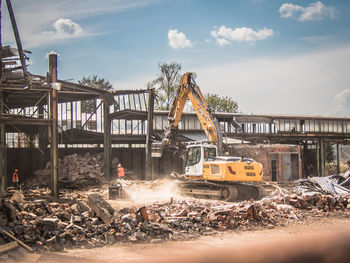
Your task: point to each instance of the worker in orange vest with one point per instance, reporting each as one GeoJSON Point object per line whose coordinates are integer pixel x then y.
{"type": "Point", "coordinates": [120, 171]}
{"type": "Point", "coordinates": [15, 179]}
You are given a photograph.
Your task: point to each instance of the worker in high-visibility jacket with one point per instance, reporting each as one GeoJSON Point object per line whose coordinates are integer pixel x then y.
{"type": "Point", "coordinates": [15, 179]}
{"type": "Point", "coordinates": [120, 171]}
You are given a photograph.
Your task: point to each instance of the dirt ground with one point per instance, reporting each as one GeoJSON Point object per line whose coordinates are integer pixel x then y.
{"type": "Point", "coordinates": [281, 244]}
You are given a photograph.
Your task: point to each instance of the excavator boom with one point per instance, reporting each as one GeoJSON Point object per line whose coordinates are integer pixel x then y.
{"type": "Point", "coordinates": [189, 89]}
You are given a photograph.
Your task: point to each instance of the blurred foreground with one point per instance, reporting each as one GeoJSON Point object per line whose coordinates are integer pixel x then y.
{"type": "Point", "coordinates": [316, 240]}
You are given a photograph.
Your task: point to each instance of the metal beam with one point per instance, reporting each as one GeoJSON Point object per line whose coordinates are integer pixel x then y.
{"type": "Point", "coordinates": [18, 39]}
{"type": "Point", "coordinates": [130, 115]}
{"type": "Point", "coordinates": [318, 158]}
{"type": "Point", "coordinates": [124, 92]}
{"type": "Point", "coordinates": [107, 149]}
{"type": "Point", "coordinates": [23, 121]}
{"type": "Point", "coordinates": [42, 140]}
{"type": "Point", "coordinates": [149, 174]}
{"type": "Point", "coordinates": [3, 151]}
{"type": "Point", "coordinates": [0, 43]}
{"type": "Point", "coordinates": [322, 157]}
{"type": "Point", "coordinates": [338, 159]}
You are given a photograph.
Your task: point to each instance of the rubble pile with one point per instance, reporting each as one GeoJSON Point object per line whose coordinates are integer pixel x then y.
{"type": "Point", "coordinates": [74, 171]}
{"type": "Point", "coordinates": [78, 221]}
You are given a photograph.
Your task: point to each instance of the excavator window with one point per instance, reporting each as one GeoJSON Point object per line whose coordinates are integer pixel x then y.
{"type": "Point", "coordinates": [193, 156]}
{"type": "Point", "coordinates": [209, 153]}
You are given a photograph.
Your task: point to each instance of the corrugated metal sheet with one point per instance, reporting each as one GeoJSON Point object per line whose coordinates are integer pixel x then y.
{"type": "Point", "coordinates": [322, 185]}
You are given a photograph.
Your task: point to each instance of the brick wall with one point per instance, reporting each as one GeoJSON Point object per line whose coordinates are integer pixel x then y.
{"type": "Point", "coordinates": [262, 154]}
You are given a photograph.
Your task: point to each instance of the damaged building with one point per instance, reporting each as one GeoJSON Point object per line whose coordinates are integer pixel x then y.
{"type": "Point", "coordinates": [116, 124]}
{"type": "Point", "coordinates": [44, 119]}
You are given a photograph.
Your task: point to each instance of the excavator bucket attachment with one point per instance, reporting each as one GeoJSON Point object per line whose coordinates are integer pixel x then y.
{"type": "Point", "coordinates": [157, 149]}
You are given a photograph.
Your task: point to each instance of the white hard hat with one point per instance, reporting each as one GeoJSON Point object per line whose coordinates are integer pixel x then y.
{"type": "Point", "coordinates": [119, 165]}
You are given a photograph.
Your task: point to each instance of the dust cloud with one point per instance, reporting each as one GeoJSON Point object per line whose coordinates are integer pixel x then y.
{"type": "Point", "coordinates": [141, 193]}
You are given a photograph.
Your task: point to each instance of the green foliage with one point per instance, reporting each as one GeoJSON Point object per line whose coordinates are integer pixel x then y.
{"type": "Point", "coordinates": [221, 104]}
{"type": "Point", "coordinates": [166, 84]}
{"type": "Point", "coordinates": [329, 152]}
{"type": "Point", "coordinates": [93, 81]}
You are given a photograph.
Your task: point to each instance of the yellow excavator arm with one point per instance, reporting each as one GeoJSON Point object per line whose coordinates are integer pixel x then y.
{"type": "Point", "coordinates": [189, 89]}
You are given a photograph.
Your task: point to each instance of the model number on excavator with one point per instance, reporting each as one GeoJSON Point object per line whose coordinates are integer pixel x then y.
{"type": "Point", "coordinates": [248, 167]}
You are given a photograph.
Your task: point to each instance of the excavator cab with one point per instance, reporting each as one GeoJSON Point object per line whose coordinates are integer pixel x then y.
{"type": "Point", "coordinates": [197, 154]}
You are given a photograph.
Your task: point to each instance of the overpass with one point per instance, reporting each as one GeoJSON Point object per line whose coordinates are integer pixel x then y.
{"type": "Point", "coordinates": [312, 133]}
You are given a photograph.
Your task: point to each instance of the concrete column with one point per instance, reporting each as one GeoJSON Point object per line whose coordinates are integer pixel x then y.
{"type": "Point", "coordinates": [149, 171]}
{"type": "Point", "coordinates": [54, 133]}
{"type": "Point", "coordinates": [107, 141]}
{"type": "Point", "coordinates": [280, 168]}
{"type": "Point", "coordinates": [300, 160]}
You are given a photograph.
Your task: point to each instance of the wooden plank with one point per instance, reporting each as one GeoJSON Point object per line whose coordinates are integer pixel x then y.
{"type": "Point", "coordinates": [8, 246]}
{"type": "Point", "coordinates": [16, 239]}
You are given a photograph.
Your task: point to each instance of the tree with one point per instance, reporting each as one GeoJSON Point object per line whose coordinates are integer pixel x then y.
{"type": "Point", "coordinates": [166, 84]}
{"type": "Point", "coordinates": [221, 104]}
{"type": "Point", "coordinates": [329, 152]}
{"type": "Point", "coordinates": [93, 81]}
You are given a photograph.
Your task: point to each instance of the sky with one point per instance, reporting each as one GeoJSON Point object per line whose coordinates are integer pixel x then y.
{"type": "Point", "coordinates": [271, 56]}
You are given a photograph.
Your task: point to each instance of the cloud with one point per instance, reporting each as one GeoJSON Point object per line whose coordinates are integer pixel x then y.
{"type": "Point", "coordinates": [313, 12]}
{"type": "Point", "coordinates": [224, 35]}
{"type": "Point", "coordinates": [301, 84]}
{"type": "Point", "coordinates": [222, 41]}
{"type": "Point", "coordinates": [178, 40]}
{"type": "Point", "coordinates": [31, 28]}
{"type": "Point", "coordinates": [65, 28]}
{"type": "Point", "coordinates": [342, 102]}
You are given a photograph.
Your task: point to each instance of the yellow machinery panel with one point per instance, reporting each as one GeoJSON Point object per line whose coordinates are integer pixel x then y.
{"type": "Point", "coordinates": [232, 171]}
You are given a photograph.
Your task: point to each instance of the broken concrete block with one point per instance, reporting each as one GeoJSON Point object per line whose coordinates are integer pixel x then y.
{"type": "Point", "coordinates": [55, 243]}
{"type": "Point", "coordinates": [17, 197]}
{"type": "Point", "coordinates": [140, 236]}
{"type": "Point", "coordinates": [51, 223]}
{"type": "Point", "coordinates": [101, 208]}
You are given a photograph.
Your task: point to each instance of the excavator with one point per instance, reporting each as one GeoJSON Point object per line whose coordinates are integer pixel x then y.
{"type": "Point", "coordinates": [208, 173]}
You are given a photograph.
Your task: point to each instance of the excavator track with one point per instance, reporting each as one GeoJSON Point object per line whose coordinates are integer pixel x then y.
{"type": "Point", "coordinates": [225, 191]}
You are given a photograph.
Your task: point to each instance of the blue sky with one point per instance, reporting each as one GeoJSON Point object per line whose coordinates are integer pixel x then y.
{"type": "Point", "coordinates": [271, 56]}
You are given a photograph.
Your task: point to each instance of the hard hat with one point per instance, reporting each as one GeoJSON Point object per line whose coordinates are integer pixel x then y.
{"type": "Point", "coordinates": [119, 165]}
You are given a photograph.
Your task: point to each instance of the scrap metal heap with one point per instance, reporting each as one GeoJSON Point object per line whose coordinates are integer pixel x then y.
{"type": "Point", "coordinates": [332, 185]}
